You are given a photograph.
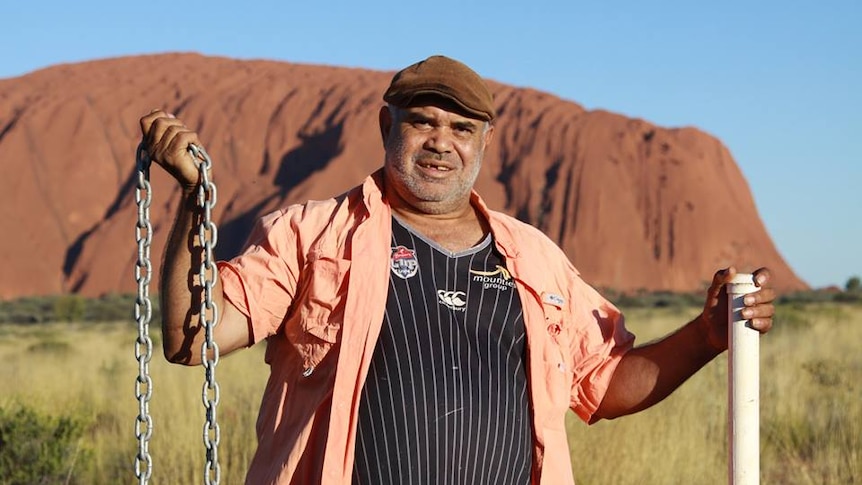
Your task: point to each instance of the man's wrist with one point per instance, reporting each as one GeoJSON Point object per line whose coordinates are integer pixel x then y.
{"type": "Point", "coordinates": [714, 345]}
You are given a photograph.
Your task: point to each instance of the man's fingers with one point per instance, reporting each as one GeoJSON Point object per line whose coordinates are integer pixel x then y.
{"type": "Point", "coordinates": [167, 140]}
{"type": "Point", "coordinates": [762, 325]}
{"type": "Point", "coordinates": [764, 295]}
{"type": "Point", "coordinates": [763, 310]}
{"type": "Point", "coordinates": [167, 143]}
{"type": "Point", "coordinates": [759, 308]}
{"type": "Point", "coordinates": [161, 131]}
{"type": "Point", "coordinates": [155, 129]}
{"type": "Point", "coordinates": [147, 120]}
{"type": "Point", "coordinates": [721, 277]}
{"type": "Point", "coordinates": [181, 138]}
{"type": "Point", "coordinates": [762, 276]}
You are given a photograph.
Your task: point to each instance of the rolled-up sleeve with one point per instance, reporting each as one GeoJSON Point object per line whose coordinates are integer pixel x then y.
{"type": "Point", "coordinates": [602, 341]}
{"type": "Point", "coordinates": [261, 281]}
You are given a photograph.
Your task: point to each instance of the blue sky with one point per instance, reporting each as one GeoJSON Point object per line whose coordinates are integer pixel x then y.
{"type": "Point", "coordinates": [780, 83]}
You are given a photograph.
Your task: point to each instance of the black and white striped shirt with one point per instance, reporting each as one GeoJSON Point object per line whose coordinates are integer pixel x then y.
{"type": "Point", "coordinates": [446, 400]}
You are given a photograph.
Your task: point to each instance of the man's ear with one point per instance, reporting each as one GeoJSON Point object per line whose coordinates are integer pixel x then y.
{"type": "Point", "coordinates": [385, 119]}
{"type": "Point", "coordinates": [489, 134]}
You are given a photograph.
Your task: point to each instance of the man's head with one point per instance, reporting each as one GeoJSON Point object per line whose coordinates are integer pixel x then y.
{"type": "Point", "coordinates": [435, 129]}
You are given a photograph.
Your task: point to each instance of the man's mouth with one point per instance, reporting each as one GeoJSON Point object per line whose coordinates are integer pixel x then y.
{"type": "Point", "coordinates": [432, 165]}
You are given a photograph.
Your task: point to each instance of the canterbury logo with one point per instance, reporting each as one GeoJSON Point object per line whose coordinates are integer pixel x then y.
{"type": "Point", "coordinates": [503, 272]}
{"type": "Point", "coordinates": [452, 299]}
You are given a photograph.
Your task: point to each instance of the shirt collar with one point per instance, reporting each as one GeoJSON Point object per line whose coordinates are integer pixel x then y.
{"type": "Point", "coordinates": [372, 196]}
{"type": "Point", "coordinates": [372, 191]}
{"type": "Point", "coordinates": [501, 230]}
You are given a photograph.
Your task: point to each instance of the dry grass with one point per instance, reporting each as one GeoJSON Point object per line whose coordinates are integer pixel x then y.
{"type": "Point", "coordinates": [90, 371]}
{"type": "Point", "coordinates": [810, 406]}
{"type": "Point", "coordinates": [811, 410]}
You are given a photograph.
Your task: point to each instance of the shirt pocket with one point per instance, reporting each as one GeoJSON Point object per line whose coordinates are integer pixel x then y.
{"type": "Point", "coordinates": [315, 324]}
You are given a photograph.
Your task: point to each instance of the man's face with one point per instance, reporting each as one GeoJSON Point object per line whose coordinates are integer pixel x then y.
{"type": "Point", "coordinates": [433, 156]}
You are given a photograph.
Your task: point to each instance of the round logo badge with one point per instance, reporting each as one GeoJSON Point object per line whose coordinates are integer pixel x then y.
{"type": "Point", "coordinates": [403, 262]}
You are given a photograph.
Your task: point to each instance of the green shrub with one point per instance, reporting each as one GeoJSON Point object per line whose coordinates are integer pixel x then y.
{"type": "Point", "coordinates": [652, 299]}
{"type": "Point", "coordinates": [806, 297]}
{"type": "Point", "coordinates": [73, 308]}
{"type": "Point", "coordinates": [69, 308]}
{"type": "Point", "coordinates": [112, 308]}
{"type": "Point", "coordinates": [39, 449]}
{"type": "Point", "coordinates": [848, 297]}
{"type": "Point", "coordinates": [34, 309]}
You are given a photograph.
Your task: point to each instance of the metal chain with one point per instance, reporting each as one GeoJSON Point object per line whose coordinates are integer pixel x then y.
{"type": "Point", "coordinates": [208, 237]}
{"type": "Point", "coordinates": [143, 315]}
{"type": "Point", "coordinates": [207, 274]}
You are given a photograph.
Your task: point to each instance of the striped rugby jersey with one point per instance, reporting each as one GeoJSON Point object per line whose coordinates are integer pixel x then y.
{"type": "Point", "coordinates": [446, 400]}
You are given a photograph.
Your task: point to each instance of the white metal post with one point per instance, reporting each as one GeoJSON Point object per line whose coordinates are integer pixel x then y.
{"type": "Point", "coordinates": [743, 387]}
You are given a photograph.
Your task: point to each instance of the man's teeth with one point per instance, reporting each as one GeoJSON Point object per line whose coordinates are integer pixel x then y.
{"type": "Point", "coordinates": [435, 167]}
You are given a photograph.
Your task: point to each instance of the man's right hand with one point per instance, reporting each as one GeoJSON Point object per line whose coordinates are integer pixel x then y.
{"type": "Point", "coordinates": [167, 140]}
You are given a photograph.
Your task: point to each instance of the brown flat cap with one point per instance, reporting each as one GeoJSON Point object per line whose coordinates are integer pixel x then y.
{"type": "Point", "coordinates": [442, 76]}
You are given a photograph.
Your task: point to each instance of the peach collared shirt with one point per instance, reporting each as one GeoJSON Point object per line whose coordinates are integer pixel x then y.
{"type": "Point", "coordinates": [313, 282]}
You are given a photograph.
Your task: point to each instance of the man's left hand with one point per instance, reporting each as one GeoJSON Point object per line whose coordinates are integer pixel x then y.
{"type": "Point", "coordinates": [759, 307]}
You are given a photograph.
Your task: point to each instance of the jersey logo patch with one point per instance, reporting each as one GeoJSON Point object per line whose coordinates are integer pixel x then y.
{"type": "Point", "coordinates": [499, 279]}
{"type": "Point", "coordinates": [403, 262]}
{"type": "Point", "coordinates": [453, 299]}
{"type": "Point", "coordinates": [503, 272]}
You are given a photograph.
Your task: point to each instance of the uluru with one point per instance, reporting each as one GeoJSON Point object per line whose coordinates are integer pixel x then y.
{"type": "Point", "coordinates": [635, 206]}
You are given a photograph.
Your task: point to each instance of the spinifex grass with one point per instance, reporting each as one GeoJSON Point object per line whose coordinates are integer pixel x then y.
{"type": "Point", "coordinates": [810, 405]}
{"type": "Point", "coordinates": [810, 410]}
{"type": "Point", "coordinates": [89, 371]}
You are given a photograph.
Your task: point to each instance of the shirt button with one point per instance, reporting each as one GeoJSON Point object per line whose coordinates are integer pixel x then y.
{"type": "Point", "coordinates": [307, 372]}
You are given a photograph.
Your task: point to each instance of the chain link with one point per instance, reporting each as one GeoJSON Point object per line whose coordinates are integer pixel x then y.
{"type": "Point", "coordinates": [143, 315]}
{"type": "Point", "coordinates": [209, 316]}
{"type": "Point", "coordinates": [207, 274]}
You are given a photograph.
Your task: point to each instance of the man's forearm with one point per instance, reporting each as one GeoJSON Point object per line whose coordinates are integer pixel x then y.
{"type": "Point", "coordinates": [180, 290]}
{"type": "Point", "coordinates": [649, 373]}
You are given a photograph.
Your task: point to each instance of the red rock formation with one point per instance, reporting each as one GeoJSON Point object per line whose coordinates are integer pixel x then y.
{"type": "Point", "coordinates": [634, 205]}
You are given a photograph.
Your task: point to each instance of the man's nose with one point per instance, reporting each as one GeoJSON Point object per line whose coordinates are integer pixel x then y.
{"type": "Point", "coordinates": [438, 141]}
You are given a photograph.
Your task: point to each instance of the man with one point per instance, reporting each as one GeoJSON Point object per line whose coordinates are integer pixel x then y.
{"type": "Point", "coordinates": [414, 335]}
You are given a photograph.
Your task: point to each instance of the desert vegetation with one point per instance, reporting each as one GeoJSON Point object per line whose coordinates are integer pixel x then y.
{"type": "Point", "coordinates": [810, 410]}
{"type": "Point", "coordinates": [68, 407]}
